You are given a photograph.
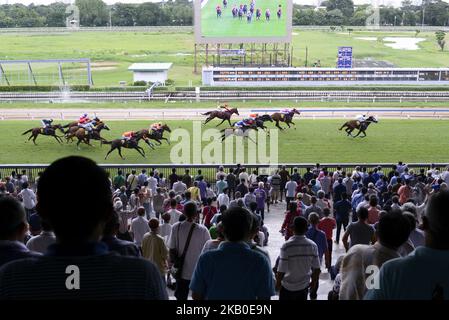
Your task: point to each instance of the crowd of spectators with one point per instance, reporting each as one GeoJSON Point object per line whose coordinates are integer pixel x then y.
{"type": "Point", "coordinates": [207, 236]}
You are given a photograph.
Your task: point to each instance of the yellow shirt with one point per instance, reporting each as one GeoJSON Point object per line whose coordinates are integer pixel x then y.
{"type": "Point", "coordinates": [195, 192]}
{"type": "Point", "coordinates": [155, 250]}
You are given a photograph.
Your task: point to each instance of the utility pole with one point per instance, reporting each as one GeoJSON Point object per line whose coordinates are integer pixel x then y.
{"type": "Point", "coordinates": [423, 15]}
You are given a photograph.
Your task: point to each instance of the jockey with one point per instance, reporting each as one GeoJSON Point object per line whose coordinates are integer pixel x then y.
{"type": "Point", "coordinates": [126, 136]}
{"type": "Point", "coordinates": [46, 124]}
{"type": "Point", "coordinates": [226, 107]}
{"type": "Point", "coordinates": [156, 126]}
{"type": "Point", "coordinates": [285, 111]}
{"type": "Point", "coordinates": [360, 118]}
{"type": "Point", "coordinates": [83, 119]}
{"type": "Point", "coordinates": [253, 116]}
{"type": "Point", "coordinates": [248, 122]}
{"type": "Point", "coordinates": [88, 124]}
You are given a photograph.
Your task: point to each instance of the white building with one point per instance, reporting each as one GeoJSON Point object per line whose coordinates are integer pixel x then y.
{"type": "Point", "coordinates": [150, 72]}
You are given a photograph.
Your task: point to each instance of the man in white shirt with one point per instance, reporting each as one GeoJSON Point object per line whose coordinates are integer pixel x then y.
{"type": "Point", "coordinates": [290, 191]}
{"type": "Point", "coordinates": [132, 180]}
{"type": "Point", "coordinates": [244, 175]}
{"type": "Point", "coordinates": [223, 198]}
{"type": "Point", "coordinates": [177, 243]}
{"type": "Point", "coordinates": [29, 199]}
{"type": "Point", "coordinates": [41, 242]}
{"type": "Point", "coordinates": [299, 265]}
{"type": "Point", "coordinates": [179, 187]}
{"type": "Point", "coordinates": [152, 182]}
{"type": "Point", "coordinates": [174, 214]}
{"type": "Point", "coordinates": [139, 226]}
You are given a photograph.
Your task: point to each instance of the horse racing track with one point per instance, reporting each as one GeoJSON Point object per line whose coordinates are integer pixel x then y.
{"type": "Point", "coordinates": [311, 141]}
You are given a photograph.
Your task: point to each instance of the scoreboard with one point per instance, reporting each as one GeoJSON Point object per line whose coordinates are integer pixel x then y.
{"type": "Point", "coordinates": [291, 76]}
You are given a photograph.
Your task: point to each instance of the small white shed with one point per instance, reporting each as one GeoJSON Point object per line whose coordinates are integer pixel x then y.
{"type": "Point", "coordinates": [150, 72]}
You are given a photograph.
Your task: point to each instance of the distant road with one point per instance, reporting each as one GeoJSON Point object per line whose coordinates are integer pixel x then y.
{"type": "Point", "coordinates": [196, 114]}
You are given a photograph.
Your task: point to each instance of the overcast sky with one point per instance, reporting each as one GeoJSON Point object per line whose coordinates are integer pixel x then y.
{"type": "Point", "coordinates": [386, 2]}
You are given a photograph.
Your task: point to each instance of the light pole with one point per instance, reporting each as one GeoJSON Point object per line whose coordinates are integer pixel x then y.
{"type": "Point", "coordinates": [394, 23]}
{"type": "Point", "coordinates": [423, 15]}
{"type": "Point", "coordinates": [110, 18]}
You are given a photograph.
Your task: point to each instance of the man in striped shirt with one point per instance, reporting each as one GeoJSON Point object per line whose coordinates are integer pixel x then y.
{"type": "Point", "coordinates": [299, 265]}
{"type": "Point", "coordinates": [78, 266]}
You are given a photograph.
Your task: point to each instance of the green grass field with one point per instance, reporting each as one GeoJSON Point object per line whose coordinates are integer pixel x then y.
{"type": "Point", "coordinates": [230, 27]}
{"type": "Point", "coordinates": [313, 141]}
{"type": "Point", "coordinates": [118, 50]}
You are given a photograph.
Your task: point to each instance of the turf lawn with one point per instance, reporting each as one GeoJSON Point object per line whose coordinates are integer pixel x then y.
{"type": "Point", "coordinates": [229, 27]}
{"type": "Point", "coordinates": [113, 52]}
{"type": "Point", "coordinates": [313, 141]}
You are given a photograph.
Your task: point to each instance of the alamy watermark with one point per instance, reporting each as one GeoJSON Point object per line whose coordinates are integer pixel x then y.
{"type": "Point", "coordinates": [224, 146]}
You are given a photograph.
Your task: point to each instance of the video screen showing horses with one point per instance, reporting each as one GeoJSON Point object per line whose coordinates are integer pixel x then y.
{"type": "Point", "coordinates": [250, 19]}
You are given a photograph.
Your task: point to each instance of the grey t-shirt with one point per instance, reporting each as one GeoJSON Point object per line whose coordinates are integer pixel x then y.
{"type": "Point", "coordinates": [360, 233]}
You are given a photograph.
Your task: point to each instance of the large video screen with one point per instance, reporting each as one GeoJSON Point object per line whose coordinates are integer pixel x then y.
{"type": "Point", "coordinates": [242, 21]}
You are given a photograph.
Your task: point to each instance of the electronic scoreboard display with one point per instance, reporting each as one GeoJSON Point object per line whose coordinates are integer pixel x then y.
{"type": "Point", "coordinates": [304, 76]}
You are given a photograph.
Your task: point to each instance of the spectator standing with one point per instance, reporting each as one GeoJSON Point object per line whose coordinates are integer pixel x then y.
{"type": "Point", "coordinates": [158, 202]}
{"type": "Point", "coordinates": [285, 176]}
{"type": "Point", "coordinates": [234, 271]}
{"type": "Point", "coordinates": [359, 232]}
{"type": "Point", "coordinates": [231, 181]}
{"type": "Point", "coordinates": [299, 265]}
{"type": "Point", "coordinates": [327, 225]}
{"type": "Point", "coordinates": [173, 212]}
{"type": "Point", "coordinates": [124, 217]}
{"type": "Point", "coordinates": [29, 199]}
{"type": "Point", "coordinates": [221, 184]}
{"type": "Point", "coordinates": [165, 228]}
{"type": "Point", "coordinates": [173, 177]}
{"type": "Point", "coordinates": [290, 188]}
{"type": "Point", "coordinates": [152, 182]}
{"type": "Point", "coordinates": [187, 178]}
{"type": "Point", "coordinates": [249, 198]}
{"type": "Point", "coordinates": [154, 248]}
{"type": "Point", "coordinates": [261, 198]}
{"type": "Point", "coordinates": [122, 247]}
{"type": "Point", "coordinates": [313, 208]}
{"type": "Point", "coordinates": [139, 226]}
{"type": "Point", "coordinates": [142, 178]}
{"type": "Point", "coordinates": [317, 236]}
{"type": "Point", "coordinates": [287, 228]}
{"type": "Point", "coordinates": [342, 210]}
{"type": "Point", "coordinates": [179, 187]}
{"type": "Point", "coordinates": [242, 188]}
{"type": "Point", "coordinates": [119, 180]}
{"type": "Point", "coordinates": [208, 213]}
{"type": "Point", "coordinates": [132, 181]}
{"type": "Point", "coordinates": [223, 198]}
{"type": "Point", "coordinates": [275, 183]}
{"type": "Point", "coordinates": [181, 244]}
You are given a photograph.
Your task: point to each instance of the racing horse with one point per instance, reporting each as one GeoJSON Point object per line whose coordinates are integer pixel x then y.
{"type": "Point", "coordinates": [259, 122]}
{"type": "Point", "coordinates": [351, 125]}
{"type": "Point", "coordinates": [83, 136]}
{"type": "Point", "coordinates": [132, 143]}
{"type": "Point", "coordinates": [156, 135]}
{"type": "Point", "coordinates": [285, 117]}
{"type": "Point", "coordinates": [224, 115]}
{"type": "Point", "coordinates": [50, 131]}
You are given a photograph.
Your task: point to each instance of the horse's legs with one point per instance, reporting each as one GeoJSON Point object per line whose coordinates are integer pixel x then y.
{"type": "Point", "coordinates": [34, 138]}
{"type": "Point", "coordinates": [364, 134]}
{"type": "Point", "coordinates": [222, 122]}
{"type": "Point", "coordinates": [142, 152]}
{"type": "Point", "coordinates": [107, 154]}
{"type": "Point", "coordinates": [168, 141]}
{"type": "Point", "coordinates": [57, 139]}
{"type": "Point", "coordinates": [30, 137]}
{"type": "Point", "coordinates": [120, 152]}
{"type": "Point", "coordinates": [277, 125]}
{"type": "Point", "coordinates": [207, 120]}
{"type": "Point", "coordinates": [288, 124]}
{"type": "Point", "coordinates": [230, 124]}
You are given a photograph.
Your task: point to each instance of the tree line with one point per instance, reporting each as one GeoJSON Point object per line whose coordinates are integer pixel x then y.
{"type": "Point", "coordinates": [96, 13]}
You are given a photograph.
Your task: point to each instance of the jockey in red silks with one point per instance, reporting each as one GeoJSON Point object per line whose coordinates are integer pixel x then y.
{"type": "Point", "coordinates": [156, 126]}
{"type": "Point", "coordinates": [84, 119]}
{"type": "Point", "coordinates": [126, 136]}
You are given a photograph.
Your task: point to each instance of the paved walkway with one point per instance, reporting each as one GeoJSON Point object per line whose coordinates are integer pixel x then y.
{"type": "Point", "coordinates": [196, 114]}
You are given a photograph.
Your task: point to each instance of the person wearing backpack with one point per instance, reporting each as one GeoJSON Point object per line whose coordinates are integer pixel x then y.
{"type": "Point", "coordinates": [186, 242]}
